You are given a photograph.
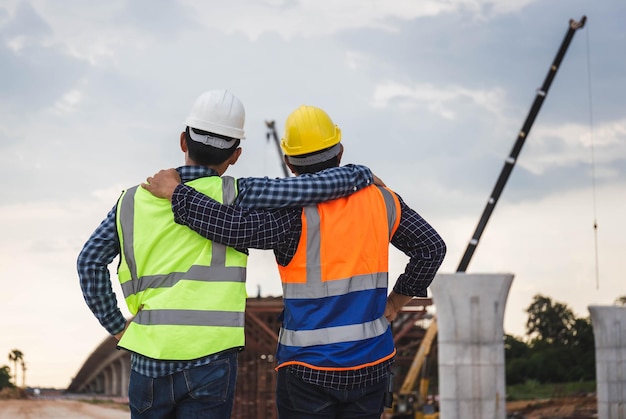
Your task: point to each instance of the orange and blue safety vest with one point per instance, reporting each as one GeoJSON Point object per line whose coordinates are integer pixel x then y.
{"type": "Point", "coordinates": [335, 286]}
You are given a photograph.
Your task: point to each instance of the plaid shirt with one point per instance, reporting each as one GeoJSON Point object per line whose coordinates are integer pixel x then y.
{"type": "Point", "coordinates": [103, 246]}
{"type": "Point", "coordinates": [280, 230]}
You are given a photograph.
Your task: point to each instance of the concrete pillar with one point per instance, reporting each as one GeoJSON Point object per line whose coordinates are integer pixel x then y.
{"type": "Point", "coordinates": [470, 316]}
{"type": "Point", "coordinates": [115, 379]}
{"type": "Point", "coordinates": [609, 330]}
{"type": "Point", "coordinates": [124, 375]}
{"type": "Point", "coordinates": [100, 383]}
{"type": "Point", "coordinates": [108, 380]}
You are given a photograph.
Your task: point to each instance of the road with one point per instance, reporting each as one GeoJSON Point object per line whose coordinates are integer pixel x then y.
{"type": "Point", "coordinates": [59, 409]}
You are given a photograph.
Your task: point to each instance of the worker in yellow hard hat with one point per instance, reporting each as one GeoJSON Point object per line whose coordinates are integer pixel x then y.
{"type": "Point", "coordinates": [309, 130]}
{"type": "Point", "coordinates": [335, 348]}
{"type": "Point", "coordinates": [187, 294]}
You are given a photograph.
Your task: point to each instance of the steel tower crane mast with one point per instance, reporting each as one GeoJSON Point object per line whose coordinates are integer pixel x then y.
{"type": "Point", "coordinates": [509, 163]}
{"type": "Point", "coordinates": [271, 131]}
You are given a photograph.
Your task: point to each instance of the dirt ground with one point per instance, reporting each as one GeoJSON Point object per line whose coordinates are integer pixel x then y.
{"type": "Point", "coordinates": [570, 407]}
{"type": "Point", "coordinates": [60, 409]}
{"type": "Point", "coordinates": [566, 407]}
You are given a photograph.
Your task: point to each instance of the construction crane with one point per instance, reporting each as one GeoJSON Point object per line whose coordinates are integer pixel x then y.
{"type": "Point", "coordinates": [509, 163]}
{"type": "Point", "coordinates": [271, 132]}
{"type": "Point", "coordinates": [407, 403]}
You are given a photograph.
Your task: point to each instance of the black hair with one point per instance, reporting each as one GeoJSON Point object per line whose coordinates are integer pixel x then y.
{"type": "Point", "coordinates": [317, 167]}
{"type": "Point", "coordinates": [207, 155]}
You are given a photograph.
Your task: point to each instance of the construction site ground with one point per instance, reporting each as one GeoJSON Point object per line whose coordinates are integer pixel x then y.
{"type": "Point", "coordinates": [580, 407]}
{"type": "Point", "coordinates": [62, 409]}
{"type": "Point", "coordinates": [562, 408]}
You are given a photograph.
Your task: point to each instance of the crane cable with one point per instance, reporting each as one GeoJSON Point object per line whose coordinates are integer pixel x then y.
{"type": "Point", "coordinates": [593, 165]}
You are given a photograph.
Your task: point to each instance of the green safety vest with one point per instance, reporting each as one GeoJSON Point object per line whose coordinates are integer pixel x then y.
{"type": "Point", "coordinates": [187, 293]}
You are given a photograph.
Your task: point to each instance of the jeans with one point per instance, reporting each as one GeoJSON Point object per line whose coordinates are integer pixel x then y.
{"type": "Point", "coordinates": [298, 399]}
{"type": "Point", "coordinates": [203, 392]}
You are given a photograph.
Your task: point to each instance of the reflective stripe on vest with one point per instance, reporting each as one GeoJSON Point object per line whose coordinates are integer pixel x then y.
{"type": "Point", "coordinates": [337, 334]}
{"type": "Point", "coordinates": [393, 210]}
{"type": "Point", "coordinates": [196, 273]}
{"type": "Point", "coordinates": [304, 339]}
{"type": "Point", "coordinates": [190, 317]}
{"type": "Point", "coordinates": [177, 299]}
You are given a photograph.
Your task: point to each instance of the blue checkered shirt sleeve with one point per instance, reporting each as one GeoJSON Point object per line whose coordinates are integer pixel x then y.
{"type": "Point", "coordinates": [98, 252]}
{"type": "Point", "coordinates": [303, 190]}
{"type": "Point", "coordinates": [232, 226]}
{"type": "Point", "coordinates": [425, 248]}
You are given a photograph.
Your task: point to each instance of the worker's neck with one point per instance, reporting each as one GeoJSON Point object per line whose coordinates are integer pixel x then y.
{"type": "Point", "coordinates": [219, 168]}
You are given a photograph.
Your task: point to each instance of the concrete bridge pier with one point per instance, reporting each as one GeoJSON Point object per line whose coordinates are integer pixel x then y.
{"type": "Point", "coordinates": [609, 330]}
{"type": "Point", "coordinates": [470, 315]}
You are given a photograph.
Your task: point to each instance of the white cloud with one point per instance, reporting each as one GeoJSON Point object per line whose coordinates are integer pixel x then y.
{"type": "Point", "coordinates": [571, 143]}
{"type": "Point", "coordinates": [92, 39]}
{"type": "Point", "coordinates": [356, 60]}
{"type": "Point", "coordinates": [440, 100]}
{"type": "Point", "coordinates": [97, 39]}
{"type": "Point", "coordinates": [16, 43]}
{"type": "Point", "coordinates": [324, 17]}
{"type": "Point", "coordinates": [69, 101]}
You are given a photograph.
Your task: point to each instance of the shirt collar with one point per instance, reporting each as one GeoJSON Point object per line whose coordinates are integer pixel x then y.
{"type": "Point", "coordinates": [189, 173]}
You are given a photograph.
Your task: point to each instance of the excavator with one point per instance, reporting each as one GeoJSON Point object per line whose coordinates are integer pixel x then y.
{"type": "Point", "coordinates": [412, 404]}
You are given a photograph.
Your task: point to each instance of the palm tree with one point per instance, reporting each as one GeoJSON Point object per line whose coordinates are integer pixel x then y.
{"type": "Point", "coordinates": [16, 356]}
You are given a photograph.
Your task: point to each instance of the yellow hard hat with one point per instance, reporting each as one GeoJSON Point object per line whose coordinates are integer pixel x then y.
{"type": "Point", "coordinates": [309, 129]}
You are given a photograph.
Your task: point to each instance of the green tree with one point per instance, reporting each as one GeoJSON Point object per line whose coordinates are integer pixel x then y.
{"type": "Point", "coordinates": [561, 347]}
{"type": "Point", "coordinates": [516, 353]}
{"type": "Point", "coordinates": [582, 347]}
{"type": "Point", "coordinates": [5, 377]}
{"type": "Point", "coordinates": [620, 301]}
{"type": "Point", "coordinates": [549, 322]}
{"type": "Point", "coordinates": [547, 365]}
{"type": "Point", "coordinates": [514, 347]}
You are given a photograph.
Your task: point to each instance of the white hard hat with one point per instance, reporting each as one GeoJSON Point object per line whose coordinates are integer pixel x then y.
{"type": "Point", "coordinates": [218, 112]}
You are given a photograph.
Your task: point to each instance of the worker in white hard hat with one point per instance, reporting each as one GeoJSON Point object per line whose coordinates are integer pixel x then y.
{"type": "Point", "coordinates": [187, 294]}
{"type": "Point", "coordinates": [335, 347]}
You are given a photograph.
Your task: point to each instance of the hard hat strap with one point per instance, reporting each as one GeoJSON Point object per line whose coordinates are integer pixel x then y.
{"type": "Point", "coordinates": [315, 158]}
{"type": "Point", "coordinates": [211, 140]}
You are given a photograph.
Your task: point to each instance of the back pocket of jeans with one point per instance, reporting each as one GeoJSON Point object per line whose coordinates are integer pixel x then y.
{"type": "Point", "coordinates": [209, 381]}
{"type": "Point", "coordinates": [140, 392]}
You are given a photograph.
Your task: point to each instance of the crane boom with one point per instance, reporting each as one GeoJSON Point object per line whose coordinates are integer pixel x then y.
{"type": "Point", "coordinates": [509, 163]}
{"type": "Point", "coordinates": [271, 126]}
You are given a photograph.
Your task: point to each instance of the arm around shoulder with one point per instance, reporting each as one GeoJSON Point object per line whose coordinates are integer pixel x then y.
{"type": "Point", "coordinates": [303, 190]}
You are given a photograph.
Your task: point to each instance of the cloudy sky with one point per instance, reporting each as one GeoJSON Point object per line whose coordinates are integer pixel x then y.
{"type": "Point", "coordinates": [431, 95]}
